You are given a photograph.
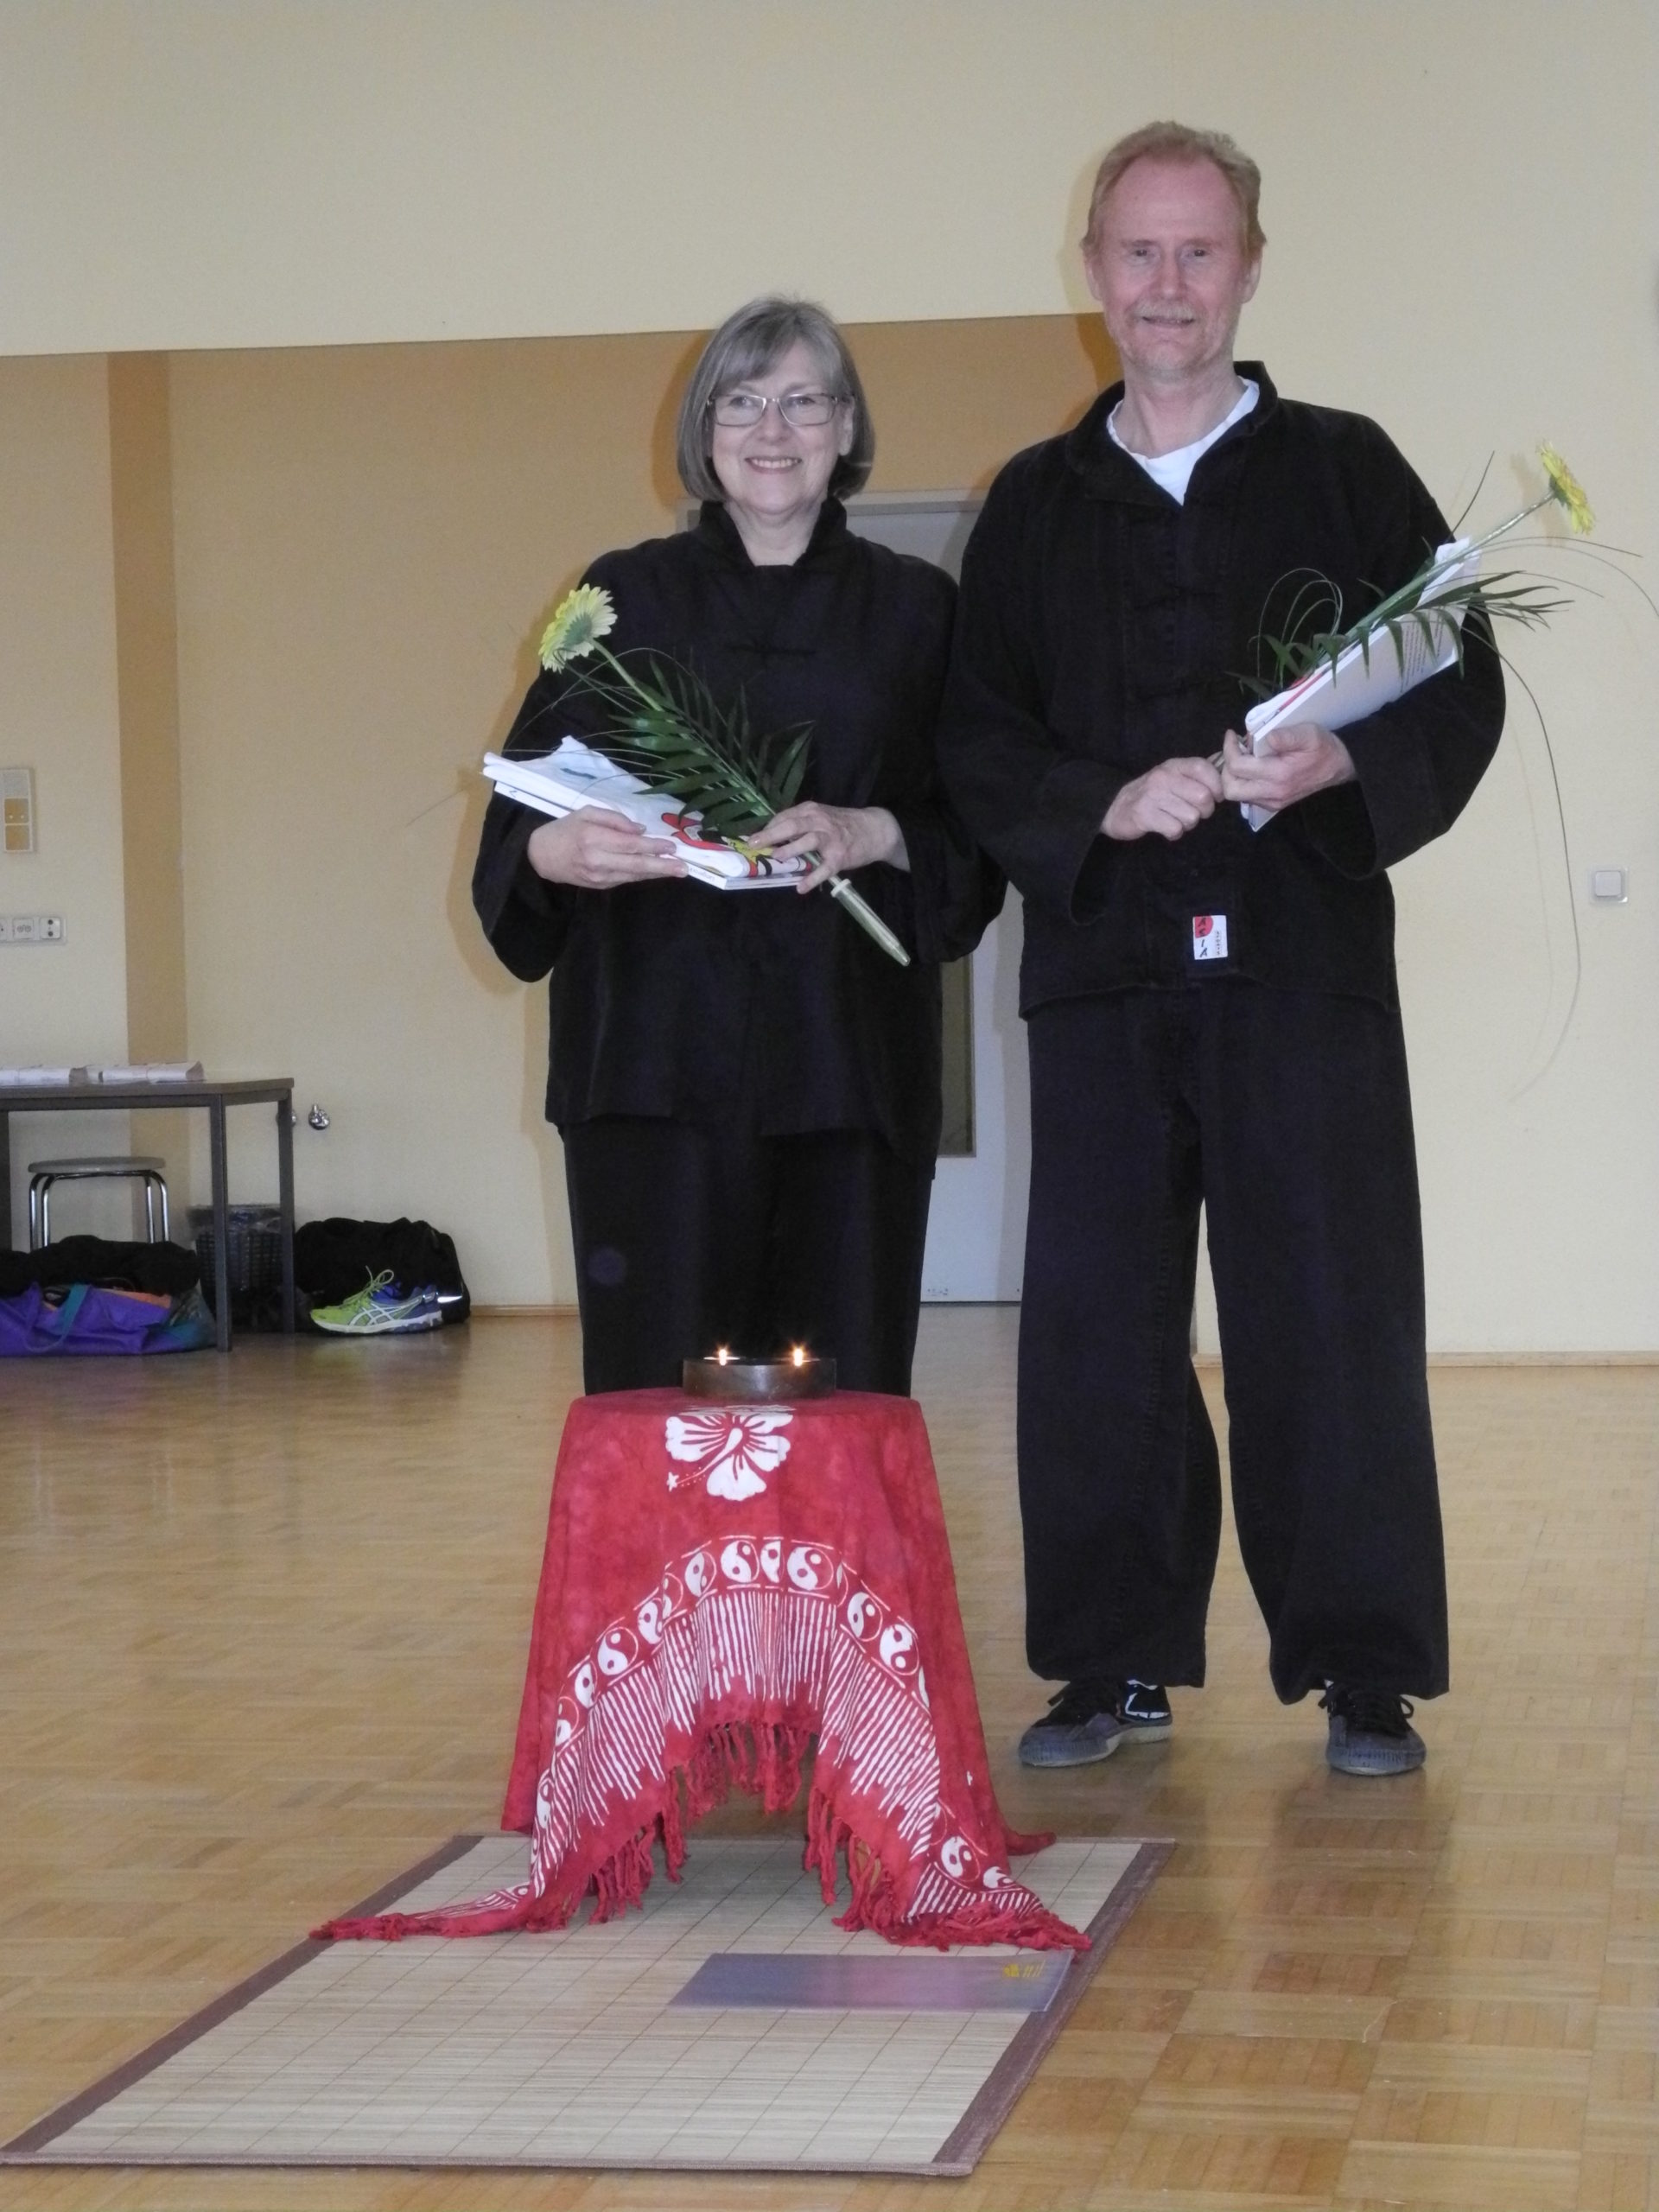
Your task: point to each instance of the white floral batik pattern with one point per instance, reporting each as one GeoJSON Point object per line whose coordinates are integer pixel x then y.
{"type": "Point", "coordinates": [734, 1450]}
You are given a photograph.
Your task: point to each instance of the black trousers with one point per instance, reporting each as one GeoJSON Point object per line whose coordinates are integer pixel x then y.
{"type": "Point", "coordinates": [689, 1237]}
{"type": "Point", "coordinates": [1287, 1116]}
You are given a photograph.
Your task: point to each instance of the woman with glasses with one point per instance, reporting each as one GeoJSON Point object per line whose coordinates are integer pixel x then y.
{"type": "Point", "coordinates": [746, 1086]}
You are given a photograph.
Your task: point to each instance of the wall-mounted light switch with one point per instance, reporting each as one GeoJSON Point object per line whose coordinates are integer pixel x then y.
{"type": "Point", "coordinates": [1608, 887]}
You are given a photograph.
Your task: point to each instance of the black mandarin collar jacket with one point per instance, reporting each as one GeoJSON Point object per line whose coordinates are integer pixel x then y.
{"type": "Point", "coordinates": [676, 1000]}
{"type": "Point", "coordinates": [1104, 628]}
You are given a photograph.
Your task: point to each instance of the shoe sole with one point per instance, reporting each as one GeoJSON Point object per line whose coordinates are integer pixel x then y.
{"type": "Point", "coordinates": [381, 1328]}
{"type": "Point", "coordinates": [1075, 1754]}
{"type": "Point", "coordinates": [1373, 1759]}
{"type": "Point", "coordinates": [1372, 1769]}
{"type": "Point", "coordinates": [1148, 1731]}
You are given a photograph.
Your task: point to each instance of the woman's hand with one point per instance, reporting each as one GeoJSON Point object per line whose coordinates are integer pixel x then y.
{"type": "Point", "coordinates": [593, 849]}
{"type": "Point", "coordinates": [838, 837]}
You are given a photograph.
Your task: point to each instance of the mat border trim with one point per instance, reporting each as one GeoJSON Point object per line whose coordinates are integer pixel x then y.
{"type": "Point", "coordinates": [28, 2144]}
{"type": "Point", "coordinates": [957, 2157]}
{"type": "Point", "coordinates": [1005, 2084]}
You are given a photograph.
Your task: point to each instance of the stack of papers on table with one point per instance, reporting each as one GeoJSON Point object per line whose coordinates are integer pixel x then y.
{"type": "Point", "coordinates": [575, 776]}
{"type": "Point", "coordinates": [1368, 676]}
{"type": "Point", "coordinates": [151, 1071]}
{"type": "Point", "coordinates": [37, 1078]}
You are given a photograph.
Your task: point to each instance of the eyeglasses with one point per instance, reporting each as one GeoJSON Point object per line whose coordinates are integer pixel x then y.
{"type": "Point", "coordinates": [802, 410]}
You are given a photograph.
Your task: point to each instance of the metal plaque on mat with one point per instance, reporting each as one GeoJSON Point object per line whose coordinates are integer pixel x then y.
{"type": "Point", "coordinates": [915, 1981]}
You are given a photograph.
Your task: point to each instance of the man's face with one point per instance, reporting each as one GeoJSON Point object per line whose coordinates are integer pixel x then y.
{"type": "Point", "coordinates": [1170, 271]}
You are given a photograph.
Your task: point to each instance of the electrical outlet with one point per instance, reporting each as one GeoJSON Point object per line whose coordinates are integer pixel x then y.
{"type": "Point", "coordinates": [5, 929]}
{"type": "Point", "coordinates": [25, 929]}
{"type": "Point", "coordinates": [51, 928]}
{"type": "Point", "coordinates": [31, 929]}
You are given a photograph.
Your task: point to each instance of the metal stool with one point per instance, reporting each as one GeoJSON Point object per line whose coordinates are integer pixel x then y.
{"type": "Point", "coordinates": [128, 1167]}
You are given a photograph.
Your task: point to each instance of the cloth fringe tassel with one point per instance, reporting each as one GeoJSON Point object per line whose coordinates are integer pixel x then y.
{"type": "Point", "coordinates": [830, 1841]}
{"type": "Point", "coordinates": [764, 1762]}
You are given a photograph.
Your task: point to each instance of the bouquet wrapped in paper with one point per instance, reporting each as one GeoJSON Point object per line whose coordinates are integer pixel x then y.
{"type": "Point", "coordinates": [1339, 676]}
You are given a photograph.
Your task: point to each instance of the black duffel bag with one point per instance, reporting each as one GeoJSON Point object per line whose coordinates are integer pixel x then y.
{"type": "Point", "coordinates": [162, 1270]}
{"type": "Point", "coordinates": [333, 1258]}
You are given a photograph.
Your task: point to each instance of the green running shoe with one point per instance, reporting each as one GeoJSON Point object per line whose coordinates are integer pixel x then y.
{"type": "Point", "coordinates": [378, 1309]}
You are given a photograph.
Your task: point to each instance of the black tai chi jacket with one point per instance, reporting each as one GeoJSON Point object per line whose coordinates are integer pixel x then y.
{"type": "Point", "coordinates": [1103, 628]}
{"type": "Point", "coordinates": [675, 1001]}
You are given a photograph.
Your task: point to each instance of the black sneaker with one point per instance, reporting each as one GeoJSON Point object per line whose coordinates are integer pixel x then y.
{"type": "Point", "coordinates": [1369, 1732]}
{"type": "Point", "coordinates": [1080, 1727]}
{"type": "Point", "coordinates": [1143, 1710]}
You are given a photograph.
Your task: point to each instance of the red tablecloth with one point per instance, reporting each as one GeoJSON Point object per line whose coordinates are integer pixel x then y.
{"type": "Point", "coordinates": [723, 1587]}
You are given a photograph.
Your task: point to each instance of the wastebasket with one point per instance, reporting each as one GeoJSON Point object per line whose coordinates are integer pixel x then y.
{"type": "Point", "coordinates": [253, 1262]}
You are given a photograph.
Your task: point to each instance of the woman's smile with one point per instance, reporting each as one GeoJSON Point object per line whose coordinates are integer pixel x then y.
{"type": "Point", "coordinates": [776, 473]}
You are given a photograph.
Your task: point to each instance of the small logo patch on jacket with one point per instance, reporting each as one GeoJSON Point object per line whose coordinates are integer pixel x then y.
{"type": "Point", "coordinates": [1209, 936]}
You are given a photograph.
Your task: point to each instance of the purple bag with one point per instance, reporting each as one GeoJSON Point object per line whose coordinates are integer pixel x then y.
{"type": "Point", "coordinates": [93, 1320]}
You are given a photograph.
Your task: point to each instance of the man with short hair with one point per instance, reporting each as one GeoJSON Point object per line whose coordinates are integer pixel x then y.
{"type": "Point", "coordinates": [1211, 1011]}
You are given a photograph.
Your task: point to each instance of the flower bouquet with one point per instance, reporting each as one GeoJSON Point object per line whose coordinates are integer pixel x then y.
{"type": "Point", "coordinates": [667, 728]}
{"type": "Point", "coordinates": [1337, 676]}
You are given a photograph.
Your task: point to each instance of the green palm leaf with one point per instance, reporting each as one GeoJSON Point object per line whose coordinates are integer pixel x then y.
{"type": "Point", "coordinates": [1507, 596]}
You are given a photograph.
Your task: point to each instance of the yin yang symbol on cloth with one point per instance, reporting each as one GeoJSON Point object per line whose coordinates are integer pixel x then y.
{"type": "Point", "coordinates": [734, 1450]}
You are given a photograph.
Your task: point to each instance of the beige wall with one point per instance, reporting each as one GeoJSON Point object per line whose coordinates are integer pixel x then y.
{"type": "Point", "coordinates": [1461, 202]}
{"type": "Point", "coordinates": [366, 539]}
{"type": "Point", "coordinates": [147, 677]}
{"type": "Point", "coordinates": [61, 1004]}
{"type": "Point", "coordinates": [209, 173]}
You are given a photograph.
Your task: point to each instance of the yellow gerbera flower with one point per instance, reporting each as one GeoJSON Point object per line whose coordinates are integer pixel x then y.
{"type": "Point", "coordinates": [581, 618]}
{"type": "Point", "coordinates": [1568, 492]}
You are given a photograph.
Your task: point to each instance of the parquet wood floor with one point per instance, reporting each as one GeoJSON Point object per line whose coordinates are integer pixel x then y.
{"type": "Point", "coordinates": [262, 1626]}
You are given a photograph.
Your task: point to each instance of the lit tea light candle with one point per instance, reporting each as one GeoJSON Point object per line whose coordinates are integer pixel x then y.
{"type": "Point", "coordinates": [725, 1374]}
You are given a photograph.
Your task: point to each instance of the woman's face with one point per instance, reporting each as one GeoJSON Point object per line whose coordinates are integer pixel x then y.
{"type": "Point", "coordinates": [776, 472]}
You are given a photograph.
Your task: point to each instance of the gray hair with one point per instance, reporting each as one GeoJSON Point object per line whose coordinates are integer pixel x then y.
{"type": "Point", "coordinates": [1180, 142]}
{"type": "Point", "coordinates": [746, 345]}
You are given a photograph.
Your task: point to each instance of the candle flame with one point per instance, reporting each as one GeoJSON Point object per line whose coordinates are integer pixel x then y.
{"type": "Point", "coordinates": [722, 1355]}
{"type": "Point", "coordinates": [799, 1355]}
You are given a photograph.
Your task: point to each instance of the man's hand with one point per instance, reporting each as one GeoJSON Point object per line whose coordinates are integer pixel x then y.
{"type": "Point", "coordinates": [1167, 802]}
{"type": "Point", "coordinates": [593, 849]}
{"type": "Point", "coordinates": [1293, 762]}
{"type": "Point", "coordinates": [841, 837]}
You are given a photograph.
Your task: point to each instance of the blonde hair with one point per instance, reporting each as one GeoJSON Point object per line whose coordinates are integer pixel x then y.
{"type": "Point", "coordinates": [1180, 142]}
